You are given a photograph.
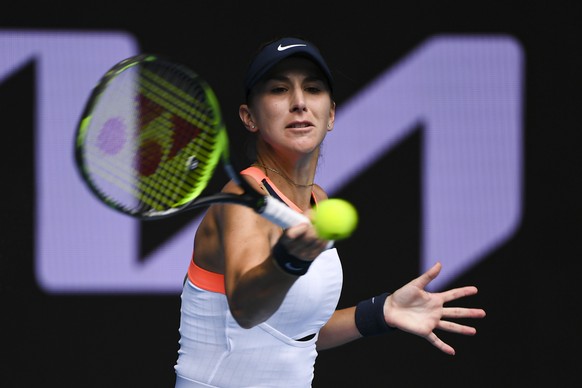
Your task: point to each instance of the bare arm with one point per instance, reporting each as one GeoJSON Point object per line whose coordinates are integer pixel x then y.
{"type": "Point", "coordinates": [255, 284]}
{"type": "Point", "coordinates": [340, 329]}
{"type": "Point", "coordinates": [410, 309]}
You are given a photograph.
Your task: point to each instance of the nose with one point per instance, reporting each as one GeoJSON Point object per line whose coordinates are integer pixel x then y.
{"type": "Point", "coordinates": [298, 100]}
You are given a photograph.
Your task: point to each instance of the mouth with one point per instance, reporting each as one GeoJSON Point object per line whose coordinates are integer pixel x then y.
{"type": "Point", "coordinates": [300, 125]}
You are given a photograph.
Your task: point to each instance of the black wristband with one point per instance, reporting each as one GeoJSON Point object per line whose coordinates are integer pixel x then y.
{"type": "Point", "coordinates": [288, 262]}
{"type": "Point", "coordinates": [370, 319]}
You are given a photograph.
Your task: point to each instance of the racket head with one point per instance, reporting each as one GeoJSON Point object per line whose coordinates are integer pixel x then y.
{"type": "Point", "coordinates": [150, 137]}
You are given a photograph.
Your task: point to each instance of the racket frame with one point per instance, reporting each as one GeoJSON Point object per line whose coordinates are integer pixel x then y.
{"type": "Point", "coordinates": [268, 207]}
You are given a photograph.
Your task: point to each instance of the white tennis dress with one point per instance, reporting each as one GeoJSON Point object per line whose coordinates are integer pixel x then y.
{"type": "Point", "coordinates": [216, 352]}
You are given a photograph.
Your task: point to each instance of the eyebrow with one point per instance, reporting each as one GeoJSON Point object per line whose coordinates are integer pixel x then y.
{"type": "Point", "coordinates": [309, 78]}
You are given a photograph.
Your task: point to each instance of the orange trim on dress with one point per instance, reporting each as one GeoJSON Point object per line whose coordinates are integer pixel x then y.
{"type": "Point", "coordinates": [212, 281]}
{"type": "Point", "coordinates": [259, 175]}
{"type": "Point", "coordinates": [207, 280]}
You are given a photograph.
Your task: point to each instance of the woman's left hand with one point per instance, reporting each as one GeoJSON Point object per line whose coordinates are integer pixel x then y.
{"type": "Point", "coordinates": [419, 312]}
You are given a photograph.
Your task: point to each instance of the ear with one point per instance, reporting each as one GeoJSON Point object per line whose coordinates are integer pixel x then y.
{"type": "Point", "coordinates": [247, 119]}
{"type": "Point", "coordinates": [331, 119]}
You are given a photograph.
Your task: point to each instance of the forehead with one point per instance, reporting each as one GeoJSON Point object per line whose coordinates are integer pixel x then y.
{"type": "Point", "coordinates": [296, 64]}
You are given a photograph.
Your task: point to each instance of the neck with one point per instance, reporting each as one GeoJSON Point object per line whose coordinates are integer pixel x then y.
{"type": "Point", "coordinates": [282, 175]}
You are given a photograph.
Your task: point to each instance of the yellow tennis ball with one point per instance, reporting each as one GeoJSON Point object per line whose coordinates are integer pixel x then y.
{"type": "Point", "coordinates": [335, 219]}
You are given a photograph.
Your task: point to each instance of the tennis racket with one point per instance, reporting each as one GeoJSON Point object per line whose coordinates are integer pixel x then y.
{"type": "Point", "coordinates": [150, 138]}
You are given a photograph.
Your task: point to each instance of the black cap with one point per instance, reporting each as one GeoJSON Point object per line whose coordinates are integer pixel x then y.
{"type": "Point", "coordinates": [275, 52]}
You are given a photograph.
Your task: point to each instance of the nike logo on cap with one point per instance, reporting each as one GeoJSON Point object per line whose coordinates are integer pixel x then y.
{"type": "Point", "coordinates": [283, 48]}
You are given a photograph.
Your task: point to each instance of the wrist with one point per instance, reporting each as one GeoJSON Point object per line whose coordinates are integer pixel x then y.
{"type": "Point", "coordinates": [370, 318]}
{"type": "Point", "coordinates": [288, 262]}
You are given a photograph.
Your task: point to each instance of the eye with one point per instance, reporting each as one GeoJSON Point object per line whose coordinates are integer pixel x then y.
{"type": "Point", "coordinates": [315, 86]}
{"type": "Point", "coordinates": [313, 89]}
{"type": "Point", "coordinates": [278, 89]}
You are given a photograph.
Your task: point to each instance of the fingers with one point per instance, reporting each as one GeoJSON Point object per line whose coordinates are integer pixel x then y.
{"type": "Point", "coordinates": [423, 280]}
{"type": "Point", "coordinates": [459, 312]}
{"type": "Point", "coordinates": [462, 312]}
{"type": "Point", "coordinates": [296, 231]}
{"type": "Point", "coordinates": [434, 270]}
{"type": "Point", "coordinates": [456, 328]}
{"type": "Point", "coordinates": [439, 344]}
{"type": "Point", "coordinates": [302, 241]}
{"type": "Point", "coordinates": [457, 293]}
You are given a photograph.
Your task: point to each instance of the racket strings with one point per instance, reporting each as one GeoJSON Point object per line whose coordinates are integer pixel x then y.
{"type": "Point", "coordinates": [167, 142]}
{"type": "Point", "coordinates": [203, 121]}
{"type": "Point", "coordinates": [169, 186]}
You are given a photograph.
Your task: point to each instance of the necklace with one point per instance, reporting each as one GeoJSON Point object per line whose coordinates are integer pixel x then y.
{"type": "Point", "coordinates": [283, 175]}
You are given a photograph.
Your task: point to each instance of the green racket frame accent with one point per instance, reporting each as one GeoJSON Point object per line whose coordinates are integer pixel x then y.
{"type": "Point", "coordinates": [185, 103]}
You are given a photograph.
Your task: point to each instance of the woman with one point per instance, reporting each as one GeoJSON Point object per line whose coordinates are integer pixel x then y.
{"type": "Point", "coordinates": [259, 302]}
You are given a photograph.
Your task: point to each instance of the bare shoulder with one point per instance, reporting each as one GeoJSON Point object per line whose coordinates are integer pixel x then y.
{"type": "Point", "coordinates": [241, 218]}
{"type": "Point", "coordinates": [232, 187]}
{"type": "Point", "coordinates": [226, 228]}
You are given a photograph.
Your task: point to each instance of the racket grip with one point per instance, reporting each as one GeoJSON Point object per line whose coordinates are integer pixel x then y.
{"type": "Point", "coordinates": [282, 215]}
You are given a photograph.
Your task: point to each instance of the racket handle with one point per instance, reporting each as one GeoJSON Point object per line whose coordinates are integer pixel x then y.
{"type": "Point", "coordinates": [282, 215]}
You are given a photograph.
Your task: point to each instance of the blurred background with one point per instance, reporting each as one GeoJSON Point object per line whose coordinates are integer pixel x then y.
{"type": "Point", "coordinates": [457, 138]}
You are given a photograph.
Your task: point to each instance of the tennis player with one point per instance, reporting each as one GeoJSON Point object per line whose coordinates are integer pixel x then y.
{"type": "Point", "coordinates": [259, 302]}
